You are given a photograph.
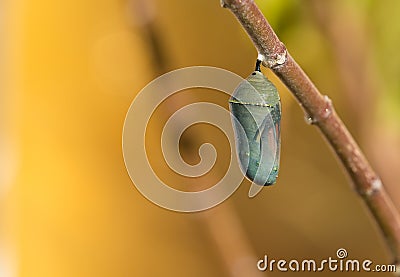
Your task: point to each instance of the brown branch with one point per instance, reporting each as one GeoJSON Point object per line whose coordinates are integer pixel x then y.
{"type": "Point", "coordinates": [320, 112]}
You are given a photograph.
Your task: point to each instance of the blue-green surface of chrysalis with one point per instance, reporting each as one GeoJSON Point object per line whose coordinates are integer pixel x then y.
{"type": "Point", "coordinates": [256, 115]}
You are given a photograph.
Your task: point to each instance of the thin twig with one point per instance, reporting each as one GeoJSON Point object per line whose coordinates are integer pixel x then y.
{"type": "Point", "coordinates": [319, 111]}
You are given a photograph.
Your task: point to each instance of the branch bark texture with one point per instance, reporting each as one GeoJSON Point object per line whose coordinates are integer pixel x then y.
{"type": "Point", "coordinates": [319, 111]}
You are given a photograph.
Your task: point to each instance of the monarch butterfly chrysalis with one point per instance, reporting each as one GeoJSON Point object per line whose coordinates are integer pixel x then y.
{"type": "Point", "coordinates": [256, 108]}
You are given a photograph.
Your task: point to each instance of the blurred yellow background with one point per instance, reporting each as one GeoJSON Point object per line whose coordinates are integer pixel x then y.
{"type": "Point", "coordinates": [69, 72]}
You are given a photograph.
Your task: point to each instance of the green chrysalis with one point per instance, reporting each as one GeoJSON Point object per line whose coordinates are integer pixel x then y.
{"type": "Point", "coordinates": [256, 110]}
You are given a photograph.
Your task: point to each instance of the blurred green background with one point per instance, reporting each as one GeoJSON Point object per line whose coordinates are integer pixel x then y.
{"type": "Point", "coordinates": [68, 73]}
